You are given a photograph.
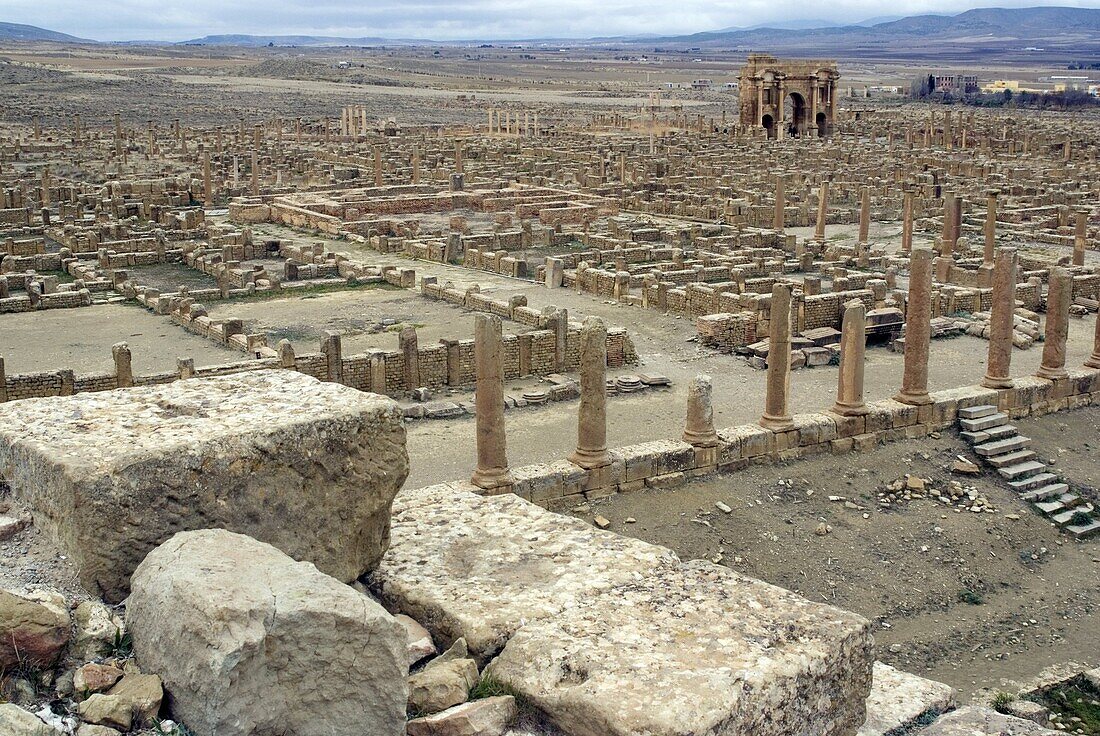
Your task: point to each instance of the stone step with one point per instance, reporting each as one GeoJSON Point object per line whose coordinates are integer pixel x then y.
{"type": "Point", "coordinates": [975, 438]}
{"type": "Point", "coordinates": [1002, 432]}
{"type": "Point", "coordinates": [1064, 517]}
{"type": "Point", "coordinates": [977, 412]}
{"type": "Point", "coordinates": [1021, 470]}
{"type": "Point", "coordinates": [1080, 531]}
{"type": "Point", "coordinates": [1059, 504]}
{"type": "Point", "coordinates": [1010, 458]}
{"type": "Point", "coordinates": [984, 423]}
{"type": "Point", "coordinates": [1044, 492]}
{"type": "Point", "coordinates": [1002, 447]}
{"type": "Point", "coordinates": [1035, 481]}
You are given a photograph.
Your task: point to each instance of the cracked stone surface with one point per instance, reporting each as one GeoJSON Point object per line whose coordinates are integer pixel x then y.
{"type": "Point", "coordinates": [627, 638]}
{"type": "Point", "coordinates": [307, 466]}
{"type": "Point", "coordinates": [249, 641]}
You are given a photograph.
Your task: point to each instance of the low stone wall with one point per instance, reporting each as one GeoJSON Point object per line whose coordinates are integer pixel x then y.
{"type": "Point", "coordinates": [666, 463]}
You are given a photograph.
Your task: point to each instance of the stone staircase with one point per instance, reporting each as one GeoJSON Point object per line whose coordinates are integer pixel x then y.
{"type": "Point", "coordinates": [1000, 445]}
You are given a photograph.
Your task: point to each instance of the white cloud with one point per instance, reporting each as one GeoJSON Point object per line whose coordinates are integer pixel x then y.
{"type": "Point", "coordinates": [445, 19]}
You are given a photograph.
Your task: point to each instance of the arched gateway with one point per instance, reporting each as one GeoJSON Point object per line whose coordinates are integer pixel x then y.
{"type": "Point", "coordinates": [788, 97]}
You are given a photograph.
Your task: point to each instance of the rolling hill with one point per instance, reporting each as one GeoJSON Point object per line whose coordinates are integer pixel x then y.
{"type": "Point", "coordinates": [20, 32]}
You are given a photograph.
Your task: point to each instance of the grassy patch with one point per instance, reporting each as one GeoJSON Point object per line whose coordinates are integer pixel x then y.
{"type": "Point", "coordinates": [1075, 699]}
{"type": "Point", "coordinates": [999, 702]}
{"type": "Point", "coordinates": [970, 597]}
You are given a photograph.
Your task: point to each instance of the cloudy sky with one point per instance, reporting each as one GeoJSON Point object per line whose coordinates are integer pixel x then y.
{"type": "Point", "coordinates": [448, 19]}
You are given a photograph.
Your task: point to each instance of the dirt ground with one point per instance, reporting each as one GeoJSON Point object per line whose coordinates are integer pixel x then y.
{"type": "Point", "coordinates": [80, 340]}
{"type": "Point", "coordinates": [1036, 593]}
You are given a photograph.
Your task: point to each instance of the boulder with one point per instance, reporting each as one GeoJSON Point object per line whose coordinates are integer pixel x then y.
{"type": "Point", "coordinates": [34, 627]}
{"type": "Point", "coordinates": [308, 466]}
{"type": "Point", "coordinates": [486, 717]}
{"type": "Point", "coordinates": [441, 685]}
{"type": "Point", "coordinates": [14, 721]}
{"type": "Point", "coordinates": [225, 618]}
{"type": "Point", "coordinates": [89, 729]}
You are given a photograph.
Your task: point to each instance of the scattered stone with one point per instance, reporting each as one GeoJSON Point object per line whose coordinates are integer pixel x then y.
{"type": "Point", "coordinates": [420, 641]}
{"type": "Point", "coordinates": [223, 617]}
{"type": "Point", "coordinates": [96, 631]}
{"type": "Point", "coordinates": [105, 710]}
{"type": "Point", "coordinates": [1029, 710]}
{"type": "Point", "coordinates": [978, 721]}
{"type": "Point", "coordinates": [486, 717]}
{"type": "Point", "coordinates": [914, 483]}
{"type": "Point", "coordinates": [724, 508]}
{"type": "Point", "coordinates": [601, 522]}
{"type": "Point", "coordinates": [14, 721]}
{"type": "Point", "coordinates": [441, 685]}
{"type": "Point", "coordinates": [34, 628]}
{"type": "Point", "coordinates": [95, 678]}
{"type": "Point", "coordinates": [88, 729]}
{"type": "Point", "coordinates": [10, 526]}
{"type": "Point", "coordinates": [822, 529]}
{"type": "Point", "coordinates": [965, 467]}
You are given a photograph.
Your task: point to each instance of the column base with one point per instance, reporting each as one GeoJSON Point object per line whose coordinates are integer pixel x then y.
{"type": "Point", "coordinates": [776, 423]}
{"type": "Point", "coordinates": [492, 478]}
{"type": "Point", "coordinates": [1093, 361]}
{"type": "Point", "coordinates": [913, 399]}
{"type": "Point", "coordinates": [701, 439]}
{"type": "Point", "coordinates": [589, 459]}
{"type": "Point", "coordinates": [997, 382]}
{"type": "Point", "coordinates": [1052, 374]}
{"type": "Point", "coordinates": [850, 410]}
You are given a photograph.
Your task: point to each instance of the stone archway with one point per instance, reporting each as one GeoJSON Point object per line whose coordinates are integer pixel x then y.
{"type": "Point", "coordinates": [807, 89]}
{"type": "Point", "coordinates": [769, 125]}
{"type": "Point", "coordinates": [795, 115]}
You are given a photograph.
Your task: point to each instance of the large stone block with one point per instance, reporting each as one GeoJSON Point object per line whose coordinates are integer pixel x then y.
{"type": "Point", "coordinates": [479, 567]}
{"type": "Point", "coordinates": [309, 467]}
{"type": "Point", "coordinates": [695, 650]}
{"type": "Point", "coordinates": [900, 701]}
{"type": "Point", "coordinates": [626, 637]}
{"type": "Point", "coordinates": [248, 641]}
{"type": "Point", "coordinates": [977, 721]}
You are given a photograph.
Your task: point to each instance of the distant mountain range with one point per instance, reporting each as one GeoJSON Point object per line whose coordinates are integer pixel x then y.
{"type": "Point", "coordinates": [1007, 25]}
{"type": "Point", "coordinates": [19, 32]}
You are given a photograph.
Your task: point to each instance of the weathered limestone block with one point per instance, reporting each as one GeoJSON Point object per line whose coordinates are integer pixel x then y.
{"type": "Point", "coordinates": [628, 638]}
{"type": "Point", "coordinates": [521, 561]}
{"type": "Point", "coordinates": [978, 721]}
{"type": "Point", "coordinates": [900, 700]}
{"type": "Point", "coordinates": [309, 467]}
{"type": "Point", "coordinates": [441, 685]}
{"type": "Point", "coordinates": [249, 641]}
{"type": "Point", "coordinates": [695, 650]}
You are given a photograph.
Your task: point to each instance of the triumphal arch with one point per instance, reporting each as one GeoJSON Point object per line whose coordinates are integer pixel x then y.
{"type": "Point", "coordinates": [788, 96]}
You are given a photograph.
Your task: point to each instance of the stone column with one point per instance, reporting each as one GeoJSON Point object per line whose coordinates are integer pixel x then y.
{"type": "Point", "coordinates": [124, 372]}
{"type": "Point", "coordinates": [4, 380]}
{"type": "Point", "coordinates": [990, 225]}
{"type": "Point", "coordinates": [864, 214]}
{"type": "Point", "coordinates": [255, 173]}
{"type": "Point", "coordinates": [1079, 237]}
{"type": "Point", "coordinates": [822, 207]}
{"type": "Point", "coordinates": [780, 204]}
{"type": "Point", "coordinates": [1001, 319]}
{"type": "Point", "coordinates": [918, 315]}
{"type": "Point", "coordinates": [699, 426]}
{"type": "Point", "coordinates": [777, 415]}
{"type": "Point", "coordinates": [492, 456]}
{"type": "Point", "coordinates": [853, 347]}
{"type": "Point", "coordinates": [591, 449]}
{"type": "Point", "coordinates": [410, 350]}
{"type": "Point", "coordinates": [207, 182]}
{"type": "Point", "coordinates": [1092, 362]}
{"type": "Point", "coordinates": [1059, 296]}
{"type": "Point", "coordinates": [458, 157]}
{"type": "Point", "coordinates": [377, 166]}
{"type": "Point", "coordinates": [416, 165]}
{"type": "Point", "coordinates": [947, 239]}
{"type": "Point", "coordinates": [332, 350]}
{"type": "Point", "coordinates": [907, 223]}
